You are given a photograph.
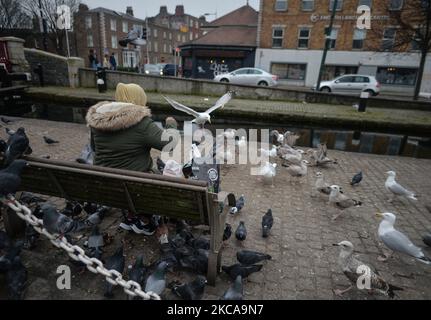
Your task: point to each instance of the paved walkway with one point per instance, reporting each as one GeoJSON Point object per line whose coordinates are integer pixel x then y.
{"type": "Point", "coordinates": [304, 264]}
{"type": "Point", "coordinates": [271, 110]}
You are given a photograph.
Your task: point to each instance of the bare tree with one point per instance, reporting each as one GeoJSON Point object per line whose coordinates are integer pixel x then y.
{"type": "Point", "coordinates": [49, 12]}
{"type": "Point", "coordinates": [13, 16]}
{"type": "Point", "coordinates": [412, 30]}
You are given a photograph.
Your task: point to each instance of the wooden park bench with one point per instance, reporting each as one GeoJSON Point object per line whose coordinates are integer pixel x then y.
{"type": "Point", "coordinates": [135, 191]}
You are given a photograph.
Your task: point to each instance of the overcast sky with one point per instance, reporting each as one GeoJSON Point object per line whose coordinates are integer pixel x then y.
{"type": "Point", "coordinates": [143, 8]}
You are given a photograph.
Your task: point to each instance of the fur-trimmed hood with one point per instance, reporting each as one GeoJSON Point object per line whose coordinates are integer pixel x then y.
{"type": "Point", "coordinates": [115, 116]}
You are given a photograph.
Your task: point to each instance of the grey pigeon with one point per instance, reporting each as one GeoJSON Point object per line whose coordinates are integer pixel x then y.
{"type": "Point", "coordinates": [238, 206]}
{"type": "Point", "coordinates": [244, 271]}
{"type": "Point", "coordinates": [115, 262]}
{"type": "Point", "coordinates": [16, 279]}
{"type": "Point", "coordinates": [72, 209]}
{"type": "Point", "coordinates": [9, 132]}
{"type": "Point", "coordinates": [248, 257]}
{"type": "Point", "coordinates": [191, 291]}
{"type": "Point", "coordinates": [95, 243]}
{"type": "Point", "coordinates": [97, 217]}
{"type": "Point", "coordinates": [90, 208]}
{"type": "Point", "coordinates": [58, 223]}
{"type": "Point", "coordinates": [156, 282]}
{"type": "Point", "coordinates": [197, 261]}
{"type": "Point", "coordinates": [267, 222]}
{"type": "Point", "coordinates": [200, 243]}
{"type": "Point", "coordinates": [227, 233]}
{"type": "Point", "coordinates": [236, 291]}
{"type": "Point", "coordinates": [30, 198]}
{"type": "Point", "coordinates": [138, 270]}
{"type": "Point", "coordinates": [241, 232]}
{"type": "Point", "coordinates": [160, 164]}
{"type": "Point", "coordinates": [10, 178]}
{"type": "Point", "coordinates": [357, 179]}
{"type": "Point", "coordinates": [17, 146]}
{"type": "Point", "coordinates": [184, 230]}
{"type": "Point", "coordinates": [49, 140]}
{"type": "Point", "coordinates": [427, 240]}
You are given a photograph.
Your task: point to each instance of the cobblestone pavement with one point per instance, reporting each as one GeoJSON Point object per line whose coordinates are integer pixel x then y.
{"type": "Point", "coordinates": [304, 262]}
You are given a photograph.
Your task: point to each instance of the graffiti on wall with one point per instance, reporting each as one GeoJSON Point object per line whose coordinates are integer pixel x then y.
{"type": "Point", "coordinates": [219, 68]}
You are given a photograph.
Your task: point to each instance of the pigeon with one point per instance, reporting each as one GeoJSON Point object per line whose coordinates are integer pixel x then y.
{"type": "Point", "coordinates": [267, 221]}
{"type": "Point", "coordinates": [95, 243]}
{"type": "Point", "coordinates": [397, 241]}
{"type": "Point", "coordinates": [57, 223]}
{"type": "Point", "coordinates": [201, 117]}
{"type": "Point", "coordinates": [191, 291]}
{"type": "Point", "coordinates": [3, 146]}
{"type": "Point", "coordinates": [341, 201]}
{"type": "Point", "coordinates": [269, 153]}
{"type": "Point", "coordinates": [114, 262]}
{"type": "Point", "coordinates": [138, 270]}
{"type": "Point", "coordinates": [352, 270]}
{"type": "Point", "coordinates": [235, 291]}
{"type": "Point", "coordinates": [5, 120]}
{"type": "Point", "coordinates": [238, 206]}
{"type": "Point", "coordinates": [9, 132]}
{"type": "Point", "coordinates": [90, 208]}
{"type": "Point", "coordinates": [97, 217]}
{"type": "Point", "coordinates": [396, 189]}
{"type": "Point", "coordinates": [10, 178]}
{"type": "Point", "coordinates": [160, 164]}
{"type": "Point", "coordinates": [49, 140]}
{"type": "Point", "coordinates": [200, 243]}
{"type": "Point", "coordinates": [184, 230]}
{"type": "Point", "coordinates": [241, 232]}
{"type": "Point", "coordinates": [72, 209]}
{"type": "Point", "coordinates": [16, 279]}
{"type": "Point", "coordinates": [248, 257]}
{"type": "Point", "coordinates": [197, 261]}
{"type": "Point", "coordinates": [17, 146]}
{"type": "Point", "coordinates": [239, 270]}
{"type": "Point", "coordinates": [321, 187]}
{"type": "Point", "coordinates": [427, 240]}
{"type": "Point", "coordinates": [156, 282]}
{"type": "Point", "coordinates": [30, 198]}
{"type": "Point", "coordinates": [268, 173]}
{"type": "Point", "coordinates": [357, 179]}
{"type": "Point", "coordinates": [227, 233]}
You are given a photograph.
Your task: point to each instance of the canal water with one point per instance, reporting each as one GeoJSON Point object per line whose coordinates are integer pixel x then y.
{"type": "Point", "coordinates": [383, 143]}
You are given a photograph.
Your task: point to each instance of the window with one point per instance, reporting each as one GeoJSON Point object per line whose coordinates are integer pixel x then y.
{"type": "Point", "coordinates": [88, 22]}
{"type": "Point", "coordinates": [280, 5]}
{"type": "Point", "coordinates": [358, 39]}
{"type": "Point", "coordinates": [289, 71]}
{"type": "Point", "coordinates": [339, 5]}
{"type": "Point", "coordinates": [303, 37]}
{"type": "Point", "coordinates": [388, 39]}
{"type": "Point", "coordinates": [197, 25]}
{"type": "Point", "coordinates": [156, 47]}
{"type": "Point", "coordinates": [396, 4]}
{"type": "Point", "coordinates": [114, 41]}
{"type": "Point", "coordinates": [183, 38]}
{"type": "Point", "coordinates": [332, 37]}
{"type": "Point", "coordinates": [178, 37]}
{"type": "Point", "coordinates": [416, 42]}
{"type": "Point", "coordinates": [164, 48]}
{"type": "Point", "coordinates": [125, 27]}
{"type": "Point", "coordinates": [365, 3]}
{"type": "Point", "coordinates": [90, 40]}
{"type": "Point", "coordinates": [129, 59]}
{"type": "Point", "coordinates": [191, 36]}
{"type": "Point", "coordinates": [170, 35]}
{"type": "Point", "coordinates": [397, 76]}
{"type": "Point", "coordinates": [254, 71]}
{"type": "Point", "coordinates": [113, 25]}
{"type": "Point", "coordinates": [307, 5]}
{"type": "Point", "coordinates": [277, 37]}
{"type": "Point", "coordinates": [170, 48]}
{"type": "Point", "coordinates": [196, 35]}
{"type": "Point", "coordinates": [155, 33]}
{"type": "Point", "coordinates": [347, 79]}
{"type": "Point", "coordinates": [138, 28]}
{"type": "Point", "coordinates": [359, 79]}
{"type": "Point", "coordinates": [332, 72]}
{"type": "Point", "coordinates": [191, 23]}
{"type": "Point", "coordinates": [242, 71]}
{"type": "Point", "coordinates": [164, 34]}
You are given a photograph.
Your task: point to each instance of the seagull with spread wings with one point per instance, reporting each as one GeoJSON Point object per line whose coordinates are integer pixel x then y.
{"type": "Point", "coordinates": [201, 117]}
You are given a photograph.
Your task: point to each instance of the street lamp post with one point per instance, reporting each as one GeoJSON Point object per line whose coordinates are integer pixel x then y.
{"type": "Point", "coordinates": [327, 44]}
{"type": "Point", "coordinates": [44, 27]}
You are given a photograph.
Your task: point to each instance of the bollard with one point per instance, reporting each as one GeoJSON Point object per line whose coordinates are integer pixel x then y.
{"type": "Point", "coordinates": [39, 71]}
{"type": "Point", "coordinates": [363, 101]}
{"type": "Point", "coordinates": [101, 80]}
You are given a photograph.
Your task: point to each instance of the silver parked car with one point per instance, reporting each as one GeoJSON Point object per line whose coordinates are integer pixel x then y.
{"type": "Point", "coordinates": [351, 84]}
{"type": "Point", "coordinates": [249, 76]}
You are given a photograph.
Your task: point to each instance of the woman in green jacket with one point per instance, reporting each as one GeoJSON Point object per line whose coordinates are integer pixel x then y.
{"type": "Point", "coordinates": [122, 136]}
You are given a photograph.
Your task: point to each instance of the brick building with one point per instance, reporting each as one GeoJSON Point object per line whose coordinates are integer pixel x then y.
{"type": "Point", "coordinates": [291, 36]}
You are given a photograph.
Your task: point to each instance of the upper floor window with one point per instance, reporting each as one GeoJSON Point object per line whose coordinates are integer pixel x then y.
{"type": "Point", "coordinates": [113, 25]}
{"type": "Point", "coordinates": [358, 38]}
{"type": "Point", "coordinates": [164, 34]}
{"type": "Point", "coordinates": [90, 40]}
{"type": "Point", "coordinates": [307, 5]}
{"type": "Point", "coordinates": [332, 37]}
{"type": "Point", "coordinates": [365, 3]}
{"type": "Point", "coordinates": [396, 4]}
{"type": "Point", "coordinates": [88, 22]}
{"type": "Point", "coordinates": [155, 33]}
{"type": "Point", "coordinates": [191, 23]}
{"type": "Point", "coordinates": [281, 5]}
{"type": "Point", "coordinates": [125, 27]}
{"type": "Point", "coordinates": [389, 39]}
{"type": "Point", "coordinates": [277, 37]}
{"type": "Point", "coordinates": [303, 38]}
{"type": "Point", "coordinates": [191, 36]}
{"type": "Point", "coordinates": [170, 35]}
{"type": "Point", "coordinates": [114, 41]}
{"type": "Point", "coordinates": [339, 5]}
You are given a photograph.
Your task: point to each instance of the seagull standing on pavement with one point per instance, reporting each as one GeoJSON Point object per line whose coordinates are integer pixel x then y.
{"type": "Point", "coordinates": [201, 117]}
{"type": "Point", "coordinates": [396, 189]}
{"type": "Point", "coordinates": [341, 201]}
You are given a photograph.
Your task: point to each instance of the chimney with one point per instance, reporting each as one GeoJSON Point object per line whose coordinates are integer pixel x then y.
{"type": "Point", "coordinates": [163, 10]}
{"type": "Point", "coordinates": [82, 7]}
{"type": "Point", "coordinates": [129, 11]}
{"type": "Point", "coordinates": [179, 10]}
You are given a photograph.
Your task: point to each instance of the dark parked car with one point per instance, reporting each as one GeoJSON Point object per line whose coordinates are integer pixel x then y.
{"type": "Point", "coordinates": [170, 70]}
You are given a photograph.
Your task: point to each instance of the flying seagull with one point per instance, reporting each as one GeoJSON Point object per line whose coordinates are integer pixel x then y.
{"type": "Point", "coordinates": [396, 189]}
{"type": "Point", "coordinates": [397, 241]}
{"type": "Point", "coordinates": [201, 117]}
